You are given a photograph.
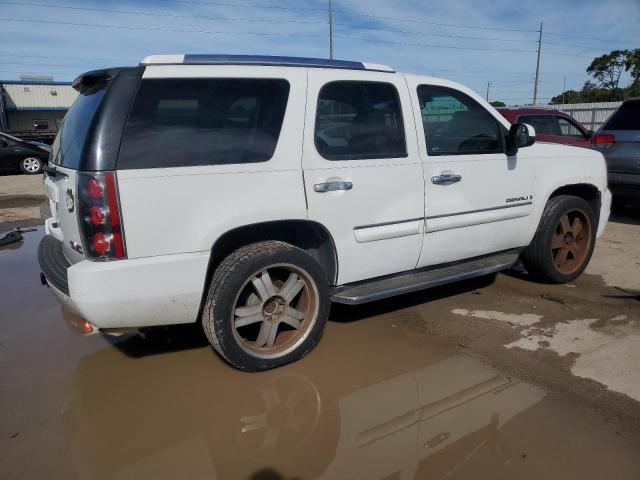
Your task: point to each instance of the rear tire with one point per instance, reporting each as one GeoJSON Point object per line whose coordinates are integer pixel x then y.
{"type": "Point", "coordinates": [267, 306]}
{"type": "Point", "coordinates": [31, 165]}
{"type": "Point", "coordinates": [563, 244]}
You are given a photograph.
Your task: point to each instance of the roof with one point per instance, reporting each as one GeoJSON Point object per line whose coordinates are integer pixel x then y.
{"type": "Point", "coordinates": [281, 61]}
{"type": "Point", "coordinates": [37, 95]}
{"type": "Point", "coordinates": [32, 82]}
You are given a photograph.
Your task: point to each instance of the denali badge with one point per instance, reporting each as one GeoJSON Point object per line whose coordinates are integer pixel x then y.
{"type": "Point", "coordinates": [69, 200]}
{"type": "Point", "coordinates": [519, 199]}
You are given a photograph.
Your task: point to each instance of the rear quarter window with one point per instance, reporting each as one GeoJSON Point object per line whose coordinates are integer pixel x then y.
{"type": "Point", "coordinates": [627, 117]}
{"type": "Point", "coordinates": [187, 122]}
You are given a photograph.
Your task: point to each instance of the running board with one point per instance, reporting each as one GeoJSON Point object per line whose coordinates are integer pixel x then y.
{"type": "Point", "coordinates": [398, 284]}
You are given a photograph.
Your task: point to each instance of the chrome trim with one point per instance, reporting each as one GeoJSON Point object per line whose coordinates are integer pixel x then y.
{"type": "Point", "coordinates": [384, 224]}
{"type": "Point", "coordinates": [480, 210]}
{"type": "Point", "coordinates": [332, 186]}
{"type": "Point", "coordinates": [446, 179]}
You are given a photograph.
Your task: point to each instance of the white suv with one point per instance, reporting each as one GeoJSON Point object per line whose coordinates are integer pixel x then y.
{"type": "Point", "coordinates": [248, 193]}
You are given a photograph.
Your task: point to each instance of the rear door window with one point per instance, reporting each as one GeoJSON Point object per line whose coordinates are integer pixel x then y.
{"type": "Point", "coordinates": [627, 117]}
{"type": "Point", "coordinates": [543, 124]}
{"type": "Point", "coordinates": [203, 121]}
{"type": "Point", "coordinates": [568, 128]}
{"type": "Point", "coordinates": [359, 120]}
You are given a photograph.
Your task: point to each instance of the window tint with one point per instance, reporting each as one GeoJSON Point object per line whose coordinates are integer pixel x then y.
{"type": "Point", "coordinates": [543, 124]}
{"type": "Point", "coordinates": [456, 124]}
{"type": "Point", "coordinates": [185, 122]}
{"type": "Point", "coordinates": [627, 117]}
{"type": "Point", "coordinates": [568, 128]}
{"type": "Point", "coordinates": [70, 141]}
{"type": "Point", "coordinates": [359, 120]}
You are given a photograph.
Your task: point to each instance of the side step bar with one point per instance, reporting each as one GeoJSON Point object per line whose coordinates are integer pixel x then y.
{"type": "Point", "coordinates": [413, 280]}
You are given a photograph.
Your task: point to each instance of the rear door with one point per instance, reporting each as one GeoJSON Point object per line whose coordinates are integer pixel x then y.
{"type": "Point", "coordinates": [362, 171]}
{"type": "Point", "coordinates": [572, 133]}
{"type": "Point", "coordinates": [546, 127]}
{"type": "Point", "coordinates": [478, 200]}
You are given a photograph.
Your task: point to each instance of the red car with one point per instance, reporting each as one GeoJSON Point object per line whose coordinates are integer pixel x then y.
{"type": "Point", "coordinates": [551, 125]}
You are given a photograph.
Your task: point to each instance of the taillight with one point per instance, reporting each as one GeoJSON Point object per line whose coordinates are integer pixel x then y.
{"type": "Point", "coordinates": [99, 215]}
{"type": "Point", "coordinates": [603, 139]}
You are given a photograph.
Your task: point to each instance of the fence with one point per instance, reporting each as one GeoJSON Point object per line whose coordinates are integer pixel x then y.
{"type": "Point", "coordinates": [591, 115]}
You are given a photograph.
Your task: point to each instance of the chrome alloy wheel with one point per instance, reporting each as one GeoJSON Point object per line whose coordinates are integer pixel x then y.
{"type": "Point", "coordinates": [275, 310]}
{"type": "Point", "coordinates": [31, 164]}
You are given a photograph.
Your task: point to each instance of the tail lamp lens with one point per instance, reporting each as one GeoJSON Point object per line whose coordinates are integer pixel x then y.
{"type": "Point", "coordinates": [604, 139]}
{"type": "Point", "coordinates": [99, 211]}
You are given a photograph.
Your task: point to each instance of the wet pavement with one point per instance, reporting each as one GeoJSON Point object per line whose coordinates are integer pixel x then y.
{"type": "Point", "coordinates": [377, 399]}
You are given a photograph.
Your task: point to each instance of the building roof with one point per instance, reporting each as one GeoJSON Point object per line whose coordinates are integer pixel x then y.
{"type": "Point", "coordinates": [37, 95]}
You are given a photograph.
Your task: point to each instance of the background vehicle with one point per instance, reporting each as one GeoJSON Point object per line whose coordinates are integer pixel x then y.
{"type": "Point", "coordinates": [249, 193]}
{"type": "Point", "coordinates": [619, 142]}
{"type": "Point", "coordinates": [551, 125]}
{"type": "Point", "coordinates": [19, 155]}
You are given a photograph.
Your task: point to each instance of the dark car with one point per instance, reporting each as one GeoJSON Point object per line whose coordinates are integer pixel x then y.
{"type": "Point", "coordinates": [19, 155]}
{"type": "Point", "coordinates": [551, 125]}
{"type": "Point", "coordinates": [619, 141]}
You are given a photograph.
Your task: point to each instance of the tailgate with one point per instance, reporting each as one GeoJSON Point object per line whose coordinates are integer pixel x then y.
{"type": "Point", "coordinates": [63, 224]}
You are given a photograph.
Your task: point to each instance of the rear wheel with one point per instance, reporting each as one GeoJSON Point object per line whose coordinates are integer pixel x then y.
{"type": "Point", "coordinates": [31, 165]}
{"type": "Point", "coordinates": [563, 245]}
{"type": "Point", "coordinates": [267, 306]}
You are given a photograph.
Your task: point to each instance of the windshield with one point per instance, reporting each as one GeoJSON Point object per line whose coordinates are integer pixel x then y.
{"type": "Point", "coordinates": [627, 117]}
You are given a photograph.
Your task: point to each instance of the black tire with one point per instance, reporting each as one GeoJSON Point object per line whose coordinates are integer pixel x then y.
{"type": "Point", "coordinates": [539, 258]}
{"type": "Point", "coordinates": [231, 280]}
{"type": "Point", "coordinates": [31, 165]}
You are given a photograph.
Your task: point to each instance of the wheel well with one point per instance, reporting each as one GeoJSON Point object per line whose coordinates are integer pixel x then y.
{"type": "Point", "coordinates": [309, 236]}
{"type": "Point", "coordinates": [588, 192]}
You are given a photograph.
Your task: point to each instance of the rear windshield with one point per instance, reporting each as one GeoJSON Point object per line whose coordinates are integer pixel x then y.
{"type": "Point", "coordinates": [69, 143]}
{"type": "Point", "coordinates": [627, 117]}
{"type": "Point", "coordinates": [203, 121]}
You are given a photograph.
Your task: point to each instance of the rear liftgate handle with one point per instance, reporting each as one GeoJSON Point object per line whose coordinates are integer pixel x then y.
{"type": "Point", "coordinates": [332, 186]}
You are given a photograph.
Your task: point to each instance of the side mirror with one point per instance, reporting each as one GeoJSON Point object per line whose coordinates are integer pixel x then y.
{"type": "Point", "coordinates": [520, 135]}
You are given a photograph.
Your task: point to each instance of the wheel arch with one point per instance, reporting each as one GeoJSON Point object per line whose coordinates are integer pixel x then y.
{"type": "Point", "coordinates": [310, 236]}
{"type": "Point", "coordinates": [587, 191]}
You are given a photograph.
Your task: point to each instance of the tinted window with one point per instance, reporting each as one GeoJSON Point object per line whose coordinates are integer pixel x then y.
{"type": "Point", "coordinates": [358, 120]}
{"type": "Point", "coordinates": [69, 143]}
{"type": "Point", "coordinates": [543, 124]}
{"type": "Point", "coordinates": [568, 128]}
{"type": "Point", "coordinates": [627, 117]}
{"type": "Point", "coordinates": [456, 124]}
{"type": "Point", "coordinates": [185, 122]}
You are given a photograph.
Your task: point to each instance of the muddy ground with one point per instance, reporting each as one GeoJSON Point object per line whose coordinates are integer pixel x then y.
{"type": "Point", "coordinates": [498, 377]}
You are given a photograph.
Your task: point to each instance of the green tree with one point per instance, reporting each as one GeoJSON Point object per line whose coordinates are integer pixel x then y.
{"type": "Point", "coordinates": [607, 69]}
{"type": "Point", "coordinates": [497, 103]}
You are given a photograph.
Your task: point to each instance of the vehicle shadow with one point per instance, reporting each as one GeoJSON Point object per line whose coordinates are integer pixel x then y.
{"type": "Point", "coordinates": [159, 340]}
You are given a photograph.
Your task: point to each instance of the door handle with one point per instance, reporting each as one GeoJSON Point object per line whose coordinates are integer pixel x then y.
{"type": "Point", "coordinates": [332, 186]}
{"type": "Point", "coordinates": [446, 179]}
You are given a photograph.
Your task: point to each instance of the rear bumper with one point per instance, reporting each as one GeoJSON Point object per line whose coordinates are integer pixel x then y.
{"type": "Point", "coordinates": [624, 183]}
{"type": "Point", "coordinates": [162, 290]}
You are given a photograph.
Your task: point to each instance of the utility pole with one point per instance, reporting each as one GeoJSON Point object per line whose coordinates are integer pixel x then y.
{"type": "Point", "coordinates": [564, 87]}
{"type": "Point", "coordinates": [488, 85]}
{"type": "Point", "coordinates": [535, 85]}
{"type": "Point", "coordinates": [330, 31]}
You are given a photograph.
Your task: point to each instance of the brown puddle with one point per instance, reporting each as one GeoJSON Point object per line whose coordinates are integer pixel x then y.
{"type": "Point", "coordinates": [371, 402]}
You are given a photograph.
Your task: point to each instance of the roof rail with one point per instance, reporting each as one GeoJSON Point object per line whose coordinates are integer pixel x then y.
{"type": "Point", "coordinates": [214, 59]}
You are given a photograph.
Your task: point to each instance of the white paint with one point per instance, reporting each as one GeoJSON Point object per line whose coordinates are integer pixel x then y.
{"type": "Point", "coordinates": [513, 319]}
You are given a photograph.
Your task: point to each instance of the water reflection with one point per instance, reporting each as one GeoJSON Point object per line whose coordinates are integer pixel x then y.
{"type": "Point", "coordinates": [187, 414]}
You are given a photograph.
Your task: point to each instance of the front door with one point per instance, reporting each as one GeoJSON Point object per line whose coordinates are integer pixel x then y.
{"type": "Point", "coordinates": [478, 199]}
{"type": "Point", "coordinates": [362, 171]}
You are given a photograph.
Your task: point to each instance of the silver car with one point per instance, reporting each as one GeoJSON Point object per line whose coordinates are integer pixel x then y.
{"type": "Point", "coordinates": [619, 141]}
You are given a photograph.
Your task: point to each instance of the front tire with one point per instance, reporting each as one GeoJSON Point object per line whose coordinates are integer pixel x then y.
{"type": "Point", "coordinates": [267, 306]}
{"type": "Point", "coordinates": [31, 165]}
{"type": "Point", "coordinates": [564, 242]}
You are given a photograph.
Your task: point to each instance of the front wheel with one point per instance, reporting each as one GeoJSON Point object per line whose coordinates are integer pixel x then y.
{"type": "Point", "coordinates": [267, 306]}
{"type": "Point", "coordinates": [563, 245]}
{"type": "Point", "coordinates": [31, 165]}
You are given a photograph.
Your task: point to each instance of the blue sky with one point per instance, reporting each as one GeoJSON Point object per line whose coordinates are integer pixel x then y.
{"type": "Point", "coordinates": [458, 40]}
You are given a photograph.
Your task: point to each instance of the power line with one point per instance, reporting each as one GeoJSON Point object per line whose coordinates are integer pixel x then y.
{"type": "Point", "coordinates": [157, 14]}
{"type": "Point", "coordinates": [57, 58]}
{"type": "Point", "coordinates": [158, 29]}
